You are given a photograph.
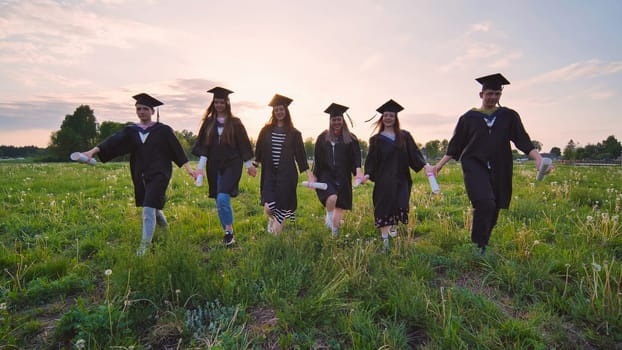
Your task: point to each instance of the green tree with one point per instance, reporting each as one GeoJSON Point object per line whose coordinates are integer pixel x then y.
{"type": "Point", "coordinates": [108, 128]}
{"type": "Point", "coordinates": [77, 132]}
{"type": "Point", "coordinates": [612, 147]}
{"type": "Point", "coordinates": [537, 144]}
{"type": "Point", "coordinates": [556, 151]}
{"type": "Point", "coordinates": [364, 148]}
{"type": "Point", "coordinates": [309, 147]}
{"type": "Point", "coordinates": [570, 151]}
{"type": "Point", "coordinates": [187, 141]}
{"type": "Point", "coordinates": [432, 149]}
{"type": "Point", "coordinates": [444, 145]}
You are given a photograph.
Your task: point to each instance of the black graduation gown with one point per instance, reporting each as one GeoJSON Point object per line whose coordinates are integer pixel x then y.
{"type": "Point", "coordinates": [485, 153]}
{"type": "Point", "coordinates": [223, 158]}
{"type": "Point", "coordinates": [279, 185]}
{"type": "Point", "coordinates": [335, 166]}
{"type": "Point", "coordinates": [150, 162]}
{"type": "Point", "coordinates": [388, 166]}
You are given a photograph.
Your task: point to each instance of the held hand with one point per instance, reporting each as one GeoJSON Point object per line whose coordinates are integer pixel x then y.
{"type": "Point", "coordinates": [252, 171]}
{"type": "Point", "coordinates": [192, 173]}
{"type": "Point", "coordinates": [312, 178]}
{"type": "Point", "coordinates": [198, 172]}
{"type": "Point", "coordinates": [433, 169]}
{"type": "Point", "coordinates": [89, 154]}
{"type": "Point", "coordinates": [361, 179]}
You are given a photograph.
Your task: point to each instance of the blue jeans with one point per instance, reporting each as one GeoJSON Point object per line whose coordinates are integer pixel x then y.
{"type": "Point", "coordinates": [223, 205]}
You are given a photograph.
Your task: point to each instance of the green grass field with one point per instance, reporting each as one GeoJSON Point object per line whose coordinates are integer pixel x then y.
{"type": "Point", "coordinates": [551, 279]}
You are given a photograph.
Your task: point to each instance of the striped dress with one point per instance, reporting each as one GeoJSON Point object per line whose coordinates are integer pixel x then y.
{"type": "Point", "coordinates": [278, 138]}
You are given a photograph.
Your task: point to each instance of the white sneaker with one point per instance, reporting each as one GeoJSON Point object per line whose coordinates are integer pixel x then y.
{"type": "Point", "coordinates": [269, 227]}
{"type": "Point", "coordinates": [385, 243]}
{"type": "Point", "coordinates": [393, 231]}
{"type": "Point", "coordinates": [328, 221]}
{"type": "Point", "coordinates": [161, 219]}
{"type": "Point", "coordinates": [335, 231]}
{"type": "Point", "coordinates": [142, 249]}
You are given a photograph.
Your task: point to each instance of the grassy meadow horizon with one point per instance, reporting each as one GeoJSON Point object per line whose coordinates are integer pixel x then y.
{"type": "Point", "coordinates": [551, 279]}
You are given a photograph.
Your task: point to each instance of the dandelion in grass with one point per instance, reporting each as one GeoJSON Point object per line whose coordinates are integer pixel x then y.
{"type": "Point", "coordinates": [108, 272]}
{"type": "Point", "coordinates": [3, 306]}
{"type": "Point", "coordinates": [590, 218]}
{"type": "Point", "coordinates": [80, 344]}
{"type": "Point", "coordinates": [596, 266]}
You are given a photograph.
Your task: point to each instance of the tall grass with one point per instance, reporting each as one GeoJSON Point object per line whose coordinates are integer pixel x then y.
{"type": "Point", "coordinates": [70, 277]}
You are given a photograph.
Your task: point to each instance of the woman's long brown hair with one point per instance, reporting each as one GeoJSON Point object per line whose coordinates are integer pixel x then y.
{"type": "Point", "coordinates": [288, 119]}
{"type": "Point", "coordinates": [228, 135]}
{"type": "Point", "coordinates": [379, 127]}
{"type": "Point", "coordinates": [347, 135]}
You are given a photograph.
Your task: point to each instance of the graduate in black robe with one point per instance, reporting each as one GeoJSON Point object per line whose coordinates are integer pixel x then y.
{"type": "Point", "coordinates": [392, 153]}
{"type": "Point", "coordinates": [152, 147]}
{"type": "Point", "coordinates": [337, 157]}
{"type": "Point", "coordinates": [481, 142]}
{"type": "Point", "coordinates": [223, 143]}
{"type": "Point", "coordinates": [279, 149]}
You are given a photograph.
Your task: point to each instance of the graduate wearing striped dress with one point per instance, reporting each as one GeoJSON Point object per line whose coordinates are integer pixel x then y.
{"type": "Point", "coordinates": [281, 153]}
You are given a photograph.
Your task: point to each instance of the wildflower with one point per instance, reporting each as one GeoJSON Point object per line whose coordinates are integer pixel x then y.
{"type": "Point", "coordinates": [108, 272]}
{"type": "Point", "coordinates": [590, 218]}
{"type": "Point", "coordinates": [536, 242]}
{"type": "Point", "coordinates": [605, 216]}
{"type": "Point", "coordinates": [177, 291]}
{"type": "Point", "coordinates": [567, 266]}
{"type": "Point", "coordinates": [3, 306]}
{"type": "Point", "coordinates": [596, 266]}
{"type": "Point", "coordinates": [80, 344]}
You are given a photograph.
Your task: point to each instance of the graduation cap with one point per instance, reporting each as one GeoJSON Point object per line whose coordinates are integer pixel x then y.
{"type": "Point", "coordinates": [279, 100]}
{"type": "Point", "coordinates": [493, 82]}
{"type": "Point", "coordinates": [220, 92]}
{"type": "Point", "coordinates": [335, 110]}
{"type": "Point", "coordinates": [146, 100]}
{"type": "Point", "coordinates": [390, 106]}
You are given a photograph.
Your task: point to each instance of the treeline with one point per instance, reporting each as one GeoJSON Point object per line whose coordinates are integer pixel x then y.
{"type": "Point", "coordinates": [21, 152]}
{"type": "Point", "coordinates": [80, 131]}
{"type": "Point", "coordinates": [609, 149]}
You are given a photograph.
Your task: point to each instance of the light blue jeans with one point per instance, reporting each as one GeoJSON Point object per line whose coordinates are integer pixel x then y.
{"type": "Point", "coordinates": [223, 205]}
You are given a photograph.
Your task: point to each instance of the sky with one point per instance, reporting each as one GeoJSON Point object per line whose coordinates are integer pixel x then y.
{"type": "Point", "coordinates": [562, 57]}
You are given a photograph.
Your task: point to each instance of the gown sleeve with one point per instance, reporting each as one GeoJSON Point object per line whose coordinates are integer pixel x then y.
{"type": "Point", "coordinates": [116, 145]}
{"type": "Point", "coordinates": [299, 152]}
{"type": "Point", "coordinates": [415, 158]}
{"type": "Point", "coordinates": [372, 159]}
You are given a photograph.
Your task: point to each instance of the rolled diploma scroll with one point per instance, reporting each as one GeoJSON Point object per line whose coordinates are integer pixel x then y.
{"type": "Point", "coordinates": [544, 167]}
{"type": "Point", "coordinates": [316, 185]}
{"type": "Point", "coordinates": [202, 162]}
{"type": "Point", "coordinates": [433, 183]}
{"type": "Point", "coordinates": [82, 158]}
